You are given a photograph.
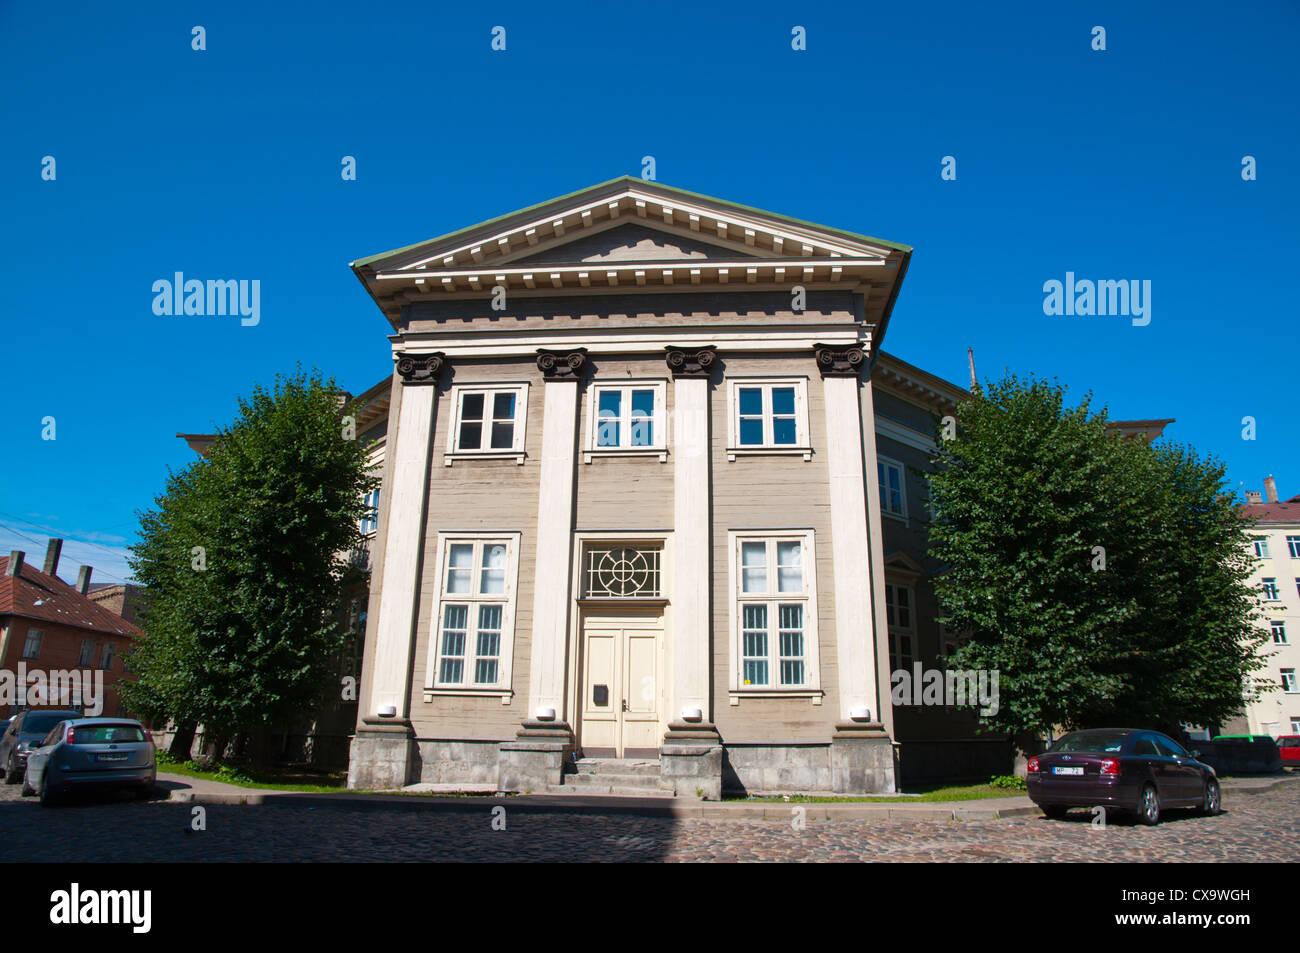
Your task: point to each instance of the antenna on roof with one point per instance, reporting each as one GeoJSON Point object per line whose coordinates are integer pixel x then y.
{"type": "Point", "coordinates": [970, 357]}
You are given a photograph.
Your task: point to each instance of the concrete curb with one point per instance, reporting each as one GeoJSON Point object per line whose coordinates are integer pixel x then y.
{"type": "Point", "coordinates": [985, 809]}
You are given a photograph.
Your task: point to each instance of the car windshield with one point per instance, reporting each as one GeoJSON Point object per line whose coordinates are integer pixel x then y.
{"type": "Point", "coordinates": [106, 734]}
{"type": "Point", "coordinates": [1090, 741]}
{"type": "Point", "coordinates": [42, 723]}
{"type": "Point", "coordinates": [1288, 742]}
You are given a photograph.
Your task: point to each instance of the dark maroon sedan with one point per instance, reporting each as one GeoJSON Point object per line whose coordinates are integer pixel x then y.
{"type": "Point", "coordinates": [1121, 769]}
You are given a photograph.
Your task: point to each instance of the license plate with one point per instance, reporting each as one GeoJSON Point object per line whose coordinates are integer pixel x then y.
{"type": "Point", "coordinates": [111, 757]}
{"type": "Point", "coordinates": [1067, 770]}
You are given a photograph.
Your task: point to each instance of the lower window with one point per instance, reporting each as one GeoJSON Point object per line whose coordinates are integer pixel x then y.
{"type": "Point", "coordinates": [774, 613]}
{"type": "Point", "coordinates": [474, 635]}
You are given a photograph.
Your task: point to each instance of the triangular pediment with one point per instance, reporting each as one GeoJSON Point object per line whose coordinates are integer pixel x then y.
{"type": "Point", "coordinates": [900, 563]}
{"type": "Point", "coordinates": [631, 242]}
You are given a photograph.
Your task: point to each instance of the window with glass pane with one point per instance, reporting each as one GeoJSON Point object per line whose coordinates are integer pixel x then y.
{"type": "Point", "coordinates": [753, 563]}
{"type": "Point", "coordinates": [789, 566]}
{"type": "Point", "coordinates": [503, 421]}
{"type": "Point", "coordinates": [87, 651]}
{"type": "Point", "coordinates": [1270, 589]}
{"type": "Point", "coordinates": [488, 419]}
{"type": "Point", "coordinates": [754, 645]}
{"type": "Point", "coordinates": [768, 415]}
{"type": "Point", "coordinates": [751, 416]}
{"type": "Point", "coordinates": [891, 487]}
{"type": "Point", "coordinates": [628, 416]}
{"type": "Point", "coordinates": [1279, 632]}
{"type": "Point", "coordinates": [454, 627]}
{"type": "Point", "coordinates": [898, 606]}
{"type": "Point", "coordinates": [609, 413]}
{"type": "Point", "coordinates": [493, 574]}
{"type": "Point", "coordinates": [784, 426]}
{"type": "Point", "coordinates": [469, 647]}
{"type": "Point", "coordinates": [1261, 547]}
{"type": "Point", "coordinates": [33, 647]}
{"type": "Point", "coordinates": [1293, 546]}
{"type": "Point", "coordinates": [791, 634]}
{"type": "Point", "coordinates": [643, 418]}
{"type": "Point", "coordinates": [489, 644]}
{"type": "Point", "coordinates": [460, 567]}
{"type": "Point", "coordinates": [773, 634]}
{"type": "Point", "coordinates": [1288, 680]}
{"type": "Point", "coordinates": [471, 421]}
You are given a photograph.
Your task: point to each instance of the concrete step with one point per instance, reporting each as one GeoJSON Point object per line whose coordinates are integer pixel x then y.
{"type": "Point", "coordinates": [608, 790]}
{"type": "Point", "coordinates": [622, 767]}
{"type": "Point", "coordinates": [611, 781]}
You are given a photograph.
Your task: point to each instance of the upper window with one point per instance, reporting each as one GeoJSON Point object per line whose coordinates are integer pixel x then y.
{"type": "Point", "coordinates": [487, 421]}
{"type": "Point", "coordinates": [627, 417]}
{"type": "Point", "coordinates": [474, 636]}
{"type": "Point", "coordinates": [774, 612]}
{"type": "Point", "coordinates": [893, 493]}
{"type": "Point", "coordinates": [1279, 633]}
{"type": "Point", "coordinates": [1293, 546]}
{"type": "Point", "coordinates": [106, 661]}
{"type": "Point", "coordinates": [33, 647]}
{"type": "Point", "coordinates": [1288, 680]}
{"type": "Point", "coordinates": [87, 653]}
{"type": "Point", "coordinates": [370, 522]}
{"type": "Point", "coordinates": [902, 633]}
{"type": "Point", "coordinates": [1270, 589]}
{"type": "Point", "coordinates": [1261, 547]}
{"type": "Point", "coordinates": [768, 416]}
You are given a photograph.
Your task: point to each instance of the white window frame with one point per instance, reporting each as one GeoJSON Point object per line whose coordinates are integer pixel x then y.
{"type": "Point", "coordinates": [39, 635]}
{"type": "Point", "coordinates": [505, 650]}
{"type": "Point", "coordinates": [1278, 627]}
{"type": "Point", "coordinates": [1268, 586]}
{"type": "Point", "coordinates": [1261, 546]}
{"type": "Point", "coordinates": [883, 488]}
{"type": "Point", "coordinates": [803, 438]}
{"type": "Point", "coordinates": [659, 422]}
{"type": "Point", "coordinates": [1293, 546]}
{"type": "Point", "coordinates": [896, 631]}
{"type": "Point", "coordinates": [1289, 681]}
{"type": "Point", "coordinates": [515, 451]}
{"type": "Point", "coordinates": [807, 596]}
{"type": "Point", "coordinates": [370, 522]}
{"type": "Point", "coordinates": [1295, 726]}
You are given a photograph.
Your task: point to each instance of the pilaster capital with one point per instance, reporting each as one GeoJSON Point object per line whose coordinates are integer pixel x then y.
{"type": "Point", "coordinates": [420, 368]}
{"type": "Point", "coordinates": [562, 365]}
{"type": "Point", "coordinates": [691, 361]}
{"type": "Point", "coordinates": [839, 361]}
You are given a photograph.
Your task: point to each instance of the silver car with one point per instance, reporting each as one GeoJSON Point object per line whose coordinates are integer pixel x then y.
{"type": "Point", "coordinates": [91, 753]}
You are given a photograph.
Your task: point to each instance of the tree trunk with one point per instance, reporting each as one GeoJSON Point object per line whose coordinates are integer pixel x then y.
{"type": "Point", "coordinates": [182, 741]}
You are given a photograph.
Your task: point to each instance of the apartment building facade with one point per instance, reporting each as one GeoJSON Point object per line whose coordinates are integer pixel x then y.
{"type": "Point", "coordinates": [1275, 543]}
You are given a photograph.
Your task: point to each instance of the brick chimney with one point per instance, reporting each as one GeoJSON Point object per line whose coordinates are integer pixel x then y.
{"type": "Point", "coordinates": [1254, 496]}
{"type": "Point", "coordinates": [52, 552]}
{"type": "Point", "coordinates": [83, 579]}
{"type": "Point", "coordinates": [1270, 489]}
{"type": "Point", "coordinates": [15, 562]}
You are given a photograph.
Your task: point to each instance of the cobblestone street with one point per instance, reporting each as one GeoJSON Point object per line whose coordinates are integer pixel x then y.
{"type": "Point", "coordinates": [1254, 828]}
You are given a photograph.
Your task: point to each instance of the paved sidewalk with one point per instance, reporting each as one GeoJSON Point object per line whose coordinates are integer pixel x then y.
{"type": "Point", "coordinates": [199, 791]}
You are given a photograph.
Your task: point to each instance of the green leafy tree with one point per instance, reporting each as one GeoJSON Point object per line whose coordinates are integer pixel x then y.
{"type": "Point", "coordinates": [244, 557]}
{"type": "Point", "coordinates": [1103, 578]}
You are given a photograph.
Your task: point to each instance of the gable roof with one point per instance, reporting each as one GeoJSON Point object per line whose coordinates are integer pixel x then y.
{"type": "Point", "coordinates": [1285, 512]}
{"type": "Point", "coordinates": [725, 244]}
{"type": "Point", "coordinates": [34, 595]}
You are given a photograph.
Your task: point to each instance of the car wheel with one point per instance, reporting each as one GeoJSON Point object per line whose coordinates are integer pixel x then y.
{"type": "Point", "coordinates": [1149, 805]}
{"type": "Point", "coordinates": [1055, 811]}
{"type": "Point", "coordinates": [47, 796]}
{"type": "Point", "coordinates": [12, 774]}
{"type": "Point", "coordinates": [1212, 800]}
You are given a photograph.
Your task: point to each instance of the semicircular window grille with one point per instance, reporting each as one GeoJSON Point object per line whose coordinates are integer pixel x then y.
{"type": "Point", "coordinates": [622, 572]}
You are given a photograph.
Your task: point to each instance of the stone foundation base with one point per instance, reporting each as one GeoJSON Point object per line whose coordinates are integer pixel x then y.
{"type": "Point", "coordinates": [690, 761]}
{"type": "Point", "coordinates": [382, 758]}
{"type": "Point", "coordinates": [862, 759]}
{"type": "Point", "coordinates": [535, 759]}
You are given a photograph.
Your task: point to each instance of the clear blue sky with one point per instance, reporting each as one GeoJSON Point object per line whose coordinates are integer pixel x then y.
{"type": "Point", "coordinates": [225, 164]}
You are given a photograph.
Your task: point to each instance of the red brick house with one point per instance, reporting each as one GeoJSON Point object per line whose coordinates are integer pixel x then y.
{"type": "Point", "coordinates": [47, 625]}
